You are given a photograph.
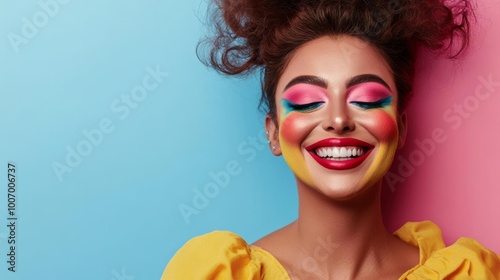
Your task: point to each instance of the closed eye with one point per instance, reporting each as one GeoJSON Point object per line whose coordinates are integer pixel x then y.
{"type": "Point", "coordinates": [290, 106]}
{"type": "Point", "coordinates": [372, 105]}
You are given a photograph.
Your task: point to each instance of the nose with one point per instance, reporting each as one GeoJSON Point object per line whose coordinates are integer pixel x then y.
{"type": "Point", "coordinates": [339, 119]}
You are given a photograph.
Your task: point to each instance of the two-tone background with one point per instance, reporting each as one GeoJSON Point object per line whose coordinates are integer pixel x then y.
{"type": "Point", "coordinates": [125, 145]}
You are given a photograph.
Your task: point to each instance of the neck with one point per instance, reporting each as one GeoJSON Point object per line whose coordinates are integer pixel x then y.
{"type": "Point", "coordinates": [347, 237]}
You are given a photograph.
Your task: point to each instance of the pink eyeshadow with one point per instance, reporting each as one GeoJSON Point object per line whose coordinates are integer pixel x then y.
{"type": "Point", "coordinates": [304, 94]}
{"type": "Point", "coordinates": [367, 92]}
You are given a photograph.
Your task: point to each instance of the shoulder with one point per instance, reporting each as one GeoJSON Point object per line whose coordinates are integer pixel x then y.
{"type": "Point", "coordinates": [221, 255]}
{"type": "Point", "coordinates": [465, 259]}
{"type": "Point", "coordinates": [278, 242]}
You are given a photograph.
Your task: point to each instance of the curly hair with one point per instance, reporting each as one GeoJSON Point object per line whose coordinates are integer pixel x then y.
{"type": "Point", "coordinates": [264, 34]}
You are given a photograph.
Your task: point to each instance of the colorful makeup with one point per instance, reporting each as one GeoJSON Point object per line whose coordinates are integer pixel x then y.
{"type": "Point", "coordinates": [289, 106]}
{"type": "Point", "coordinates": [291, 127]}
{"type": "Point", "coordinates": [369, 95]}
{"type": "Point", "coordinates": [303, 97]}
{"type": "Point", "coordinates": [381, 123]}
{"type": "Point", "coordinates": [298, 98]}
{"type": "Point", "coordinates": [384, 127]}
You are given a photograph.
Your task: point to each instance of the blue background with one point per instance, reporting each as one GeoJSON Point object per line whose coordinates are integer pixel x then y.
{"type": "Point", "coordinates": [116, 214]}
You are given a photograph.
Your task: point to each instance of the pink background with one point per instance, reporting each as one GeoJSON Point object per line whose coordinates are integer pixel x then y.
{"type": "Point", "coordinates": [457, 184]}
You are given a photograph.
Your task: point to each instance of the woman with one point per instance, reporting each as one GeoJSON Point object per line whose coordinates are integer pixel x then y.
{"type": "Point", "coordinates": [337, 76]}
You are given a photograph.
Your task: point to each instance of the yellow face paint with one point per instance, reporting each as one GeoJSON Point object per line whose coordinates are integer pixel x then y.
{"type": "Point", "coordinates": [329, 103]}
{"type": "Point", "coordinates": [383, 126]}
{"type": "Point", "coordinates": [387, 131]}
{"type": "Point", "coordinates": [290, 147]}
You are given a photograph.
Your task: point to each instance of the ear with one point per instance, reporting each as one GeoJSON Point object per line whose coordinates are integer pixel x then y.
{"type": "Point", "coordinates": [403, 129]}
{"type": "Point", "coordinates": [272, 133]}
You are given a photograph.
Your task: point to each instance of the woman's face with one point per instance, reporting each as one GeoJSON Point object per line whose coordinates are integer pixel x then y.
{"type": "Point", "coordinates": [338, 127]}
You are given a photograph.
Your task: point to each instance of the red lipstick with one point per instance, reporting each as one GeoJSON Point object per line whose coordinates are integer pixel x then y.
{"type": "Point", "coordinates": [346, 163]}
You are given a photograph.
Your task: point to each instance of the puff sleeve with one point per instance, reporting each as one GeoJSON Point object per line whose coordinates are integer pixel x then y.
{"type": "Point", "coordinates": [465, 259]}
{"type": "Point", "coordinates": [222, 255]}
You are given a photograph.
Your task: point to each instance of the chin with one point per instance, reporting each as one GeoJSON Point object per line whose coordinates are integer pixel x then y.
{"type": "Point", "coordinates": [345, 191]}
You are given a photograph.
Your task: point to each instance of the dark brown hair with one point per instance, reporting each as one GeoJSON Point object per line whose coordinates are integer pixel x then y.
{"type": "Point", "coordinates": [264, 34]}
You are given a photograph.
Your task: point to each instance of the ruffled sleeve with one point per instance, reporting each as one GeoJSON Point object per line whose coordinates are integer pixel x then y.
{"type": "Point", "coordinates": [465, 259]}
{"type": "Point", "coordinates": [222, 255]}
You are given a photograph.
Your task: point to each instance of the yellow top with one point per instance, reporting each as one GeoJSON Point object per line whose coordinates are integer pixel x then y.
{"type": "Point", "coordinates": [222, 255]}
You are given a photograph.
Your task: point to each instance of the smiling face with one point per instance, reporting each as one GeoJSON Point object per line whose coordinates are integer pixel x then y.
{"type": "Point", "coordinates": [337, 116]}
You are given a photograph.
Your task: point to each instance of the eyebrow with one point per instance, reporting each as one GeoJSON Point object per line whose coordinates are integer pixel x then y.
{"type": "Point", "coordinates": [365, 78]}
{"type": "Point", "coordinates": [318, 81]}
{"type": "Point", "coordinates": [312, 80]}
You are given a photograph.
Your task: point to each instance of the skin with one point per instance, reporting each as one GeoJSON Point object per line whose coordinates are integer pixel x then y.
{"type": "Point", "coordinates": [341, 207]}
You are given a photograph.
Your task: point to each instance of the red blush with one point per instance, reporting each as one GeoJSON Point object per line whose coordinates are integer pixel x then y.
{"type": "Point", "coordinates": [292, 127]}
{"type": "Point", "coordinates": [383, 125]}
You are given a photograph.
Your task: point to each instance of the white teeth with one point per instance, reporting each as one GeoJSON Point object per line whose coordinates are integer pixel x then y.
{"type": "Point", "coordinates": [322, 153]}
{"type": "Point", "coordinates": [336, 152]}
{"type": "Point", "coordinates": [343, 152]}
{"type": "Point", "coordinates": [339, 152]}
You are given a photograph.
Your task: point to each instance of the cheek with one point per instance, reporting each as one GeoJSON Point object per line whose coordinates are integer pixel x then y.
{"type": "Point", "coordinates": [385, 129]}
{"type": "Point", "coordinates": [293, 130]}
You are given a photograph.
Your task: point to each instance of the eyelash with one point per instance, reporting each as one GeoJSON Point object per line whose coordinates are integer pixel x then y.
{"type": "Point", "coordinates": [372, 105]}
{"type": "Point", "coordinates": [365, 105]}
{"type": "Point", "coordinates": [303, 107]}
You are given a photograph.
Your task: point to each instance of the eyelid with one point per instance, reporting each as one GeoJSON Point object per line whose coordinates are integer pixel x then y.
{"type": "Point", "coordinates": [368, 92]}
{"type": "Point", "coordinates": [290, 106]}
{"type": "Point", "coordinates": [305, 94]}
{"type": "Point", "coordinates": [383, 102]}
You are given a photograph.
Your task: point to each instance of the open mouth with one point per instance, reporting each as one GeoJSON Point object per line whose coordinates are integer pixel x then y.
{"type": "Point", "coordinates": [340, 153]}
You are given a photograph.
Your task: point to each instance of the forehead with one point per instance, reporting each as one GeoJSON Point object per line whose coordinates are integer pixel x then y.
{"type": "Point", "coordinates": [336, 59]}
